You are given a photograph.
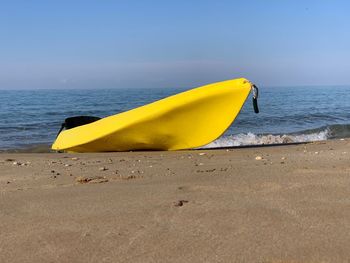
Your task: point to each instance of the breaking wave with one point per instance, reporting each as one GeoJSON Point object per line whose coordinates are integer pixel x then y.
{"type": "Point", "coordinates": [320, 134]}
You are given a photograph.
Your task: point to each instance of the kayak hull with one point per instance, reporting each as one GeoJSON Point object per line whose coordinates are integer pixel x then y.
{"type": "Point", "coordinates": [186, 120]}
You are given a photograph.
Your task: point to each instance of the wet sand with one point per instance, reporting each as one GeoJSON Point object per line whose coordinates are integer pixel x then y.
{"type": "Point", "coordinates": [266, 204]}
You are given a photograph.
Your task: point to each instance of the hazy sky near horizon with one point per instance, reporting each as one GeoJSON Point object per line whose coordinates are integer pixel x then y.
{"type": "Point", "coordinates": [122, 44]}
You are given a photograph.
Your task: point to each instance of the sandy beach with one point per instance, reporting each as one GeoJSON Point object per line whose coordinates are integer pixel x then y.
{"type": "Point", "coordinates": [263, 204]}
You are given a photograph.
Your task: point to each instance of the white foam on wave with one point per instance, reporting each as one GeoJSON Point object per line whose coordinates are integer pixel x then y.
{"type": "Point", "coordinates": [253, 139]}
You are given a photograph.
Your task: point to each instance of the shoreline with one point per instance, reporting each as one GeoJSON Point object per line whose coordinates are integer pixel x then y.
{"type": "Point", "coordinates": [323, 133]}
{"type": "Point", "coordinates": [46, 148]}
{"type": "Point", "coordinates": [254, 204]}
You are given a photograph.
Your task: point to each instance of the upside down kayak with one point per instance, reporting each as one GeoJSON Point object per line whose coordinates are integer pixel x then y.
{"type": "Point", "coordinates": [186, 120]}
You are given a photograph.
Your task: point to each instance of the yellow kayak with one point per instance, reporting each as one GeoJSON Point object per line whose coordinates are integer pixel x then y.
{"type": "Point", "coordinates": [186, 120]}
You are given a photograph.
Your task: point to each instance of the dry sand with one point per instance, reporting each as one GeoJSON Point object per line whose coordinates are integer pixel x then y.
{"type": "Point", "coordinates": [267, 204]}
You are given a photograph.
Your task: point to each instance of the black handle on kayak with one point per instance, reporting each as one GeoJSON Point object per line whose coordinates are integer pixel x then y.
{"type": "Point", "coordinates": [255, 105]}
{"type": "Point", "coordinates": [255, 98]}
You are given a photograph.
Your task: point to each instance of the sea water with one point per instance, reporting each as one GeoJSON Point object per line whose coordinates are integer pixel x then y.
{"type": "Point", "coordinates": [29, 118]}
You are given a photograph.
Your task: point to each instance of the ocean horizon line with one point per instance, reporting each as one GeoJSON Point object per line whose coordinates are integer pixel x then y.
{"type": "Point", "coordinates": [173, 87]}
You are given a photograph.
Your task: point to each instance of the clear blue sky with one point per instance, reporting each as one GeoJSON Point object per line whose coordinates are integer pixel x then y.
{"type": "Point", "coordinates": [184, 43]}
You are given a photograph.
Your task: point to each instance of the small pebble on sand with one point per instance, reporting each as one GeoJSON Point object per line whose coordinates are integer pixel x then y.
{"type": "Point", "coordinates": [103, 169]}
{"type": "Point", "coordinates": [258, 158]}
{"type": "Point", "coordinates": [75, 159]}
{"type": "Point", "coordinates": [180, 203]}
{"type": "Point", "coordinates": [201, 154]}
